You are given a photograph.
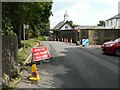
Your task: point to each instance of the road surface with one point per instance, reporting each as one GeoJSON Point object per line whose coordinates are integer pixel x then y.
{"type": "Point", "coordinates": [74, 66]}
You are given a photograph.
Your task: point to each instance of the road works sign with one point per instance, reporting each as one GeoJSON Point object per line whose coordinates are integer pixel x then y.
{"type": "Point", "coordinates": [85, 42]}
{"type": "Point", "coordinates": [40, 53]}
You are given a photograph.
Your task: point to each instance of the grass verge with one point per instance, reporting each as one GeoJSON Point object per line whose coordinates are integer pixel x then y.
{"type": "Point", "coordinates": [23, 54]}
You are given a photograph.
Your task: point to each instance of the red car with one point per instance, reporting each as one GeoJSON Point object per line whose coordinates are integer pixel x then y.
{"type": "Point", "coordinates": [112, 47]}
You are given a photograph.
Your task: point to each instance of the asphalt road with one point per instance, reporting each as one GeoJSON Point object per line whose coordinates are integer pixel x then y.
{"type": "Point", "coordinates": [74, 66]}
{"type": "Point", "coordinates": [81, 67]}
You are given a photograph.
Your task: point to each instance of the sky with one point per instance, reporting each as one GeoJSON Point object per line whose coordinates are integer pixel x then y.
{"type": "Point", "coordinates": [83, 12]}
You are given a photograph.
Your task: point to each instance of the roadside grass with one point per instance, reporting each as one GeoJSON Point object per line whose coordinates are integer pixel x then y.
{"type": "Point", "coordinates": [22, 55]}
{"type": "Point", "coordinates": [41, 38]}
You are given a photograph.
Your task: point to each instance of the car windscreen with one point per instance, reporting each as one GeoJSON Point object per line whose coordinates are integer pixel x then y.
{"type": "Point", "coordinates": [117, 40]}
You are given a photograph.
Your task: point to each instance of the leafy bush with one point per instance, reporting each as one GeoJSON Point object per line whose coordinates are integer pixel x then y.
{"type": "Point", "coordinates": [30, 33]}
{"type": "Point", "coordinates": [7, 27]}
{"type": "Point", "coordinates": [15, 73]}
{"type": "Point", "coordinates": [41, 38]}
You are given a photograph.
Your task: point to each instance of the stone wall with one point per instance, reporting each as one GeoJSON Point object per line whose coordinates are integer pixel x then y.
{"type": "Point", "coordinates": [9, 57]}
{"type": "Point", "coordinates": [102, 35]}
{"type": "Point", "coordinates": [95, 36]}
{"type": "Point", "coordinates": [84, 34]}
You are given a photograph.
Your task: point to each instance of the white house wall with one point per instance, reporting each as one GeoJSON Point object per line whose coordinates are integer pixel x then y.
{"type": "Point", "coordinates": [66, 25]}
{"type": "Point", "coordinates": [112, 23]}
{"type": "Point", "coordinates": [118, 23]}
{"type": "Point", "coordinates": [109, 23]}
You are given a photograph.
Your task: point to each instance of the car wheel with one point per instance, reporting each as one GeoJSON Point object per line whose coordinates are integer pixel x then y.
{"type": "Point", "coordinates": [117, 52]}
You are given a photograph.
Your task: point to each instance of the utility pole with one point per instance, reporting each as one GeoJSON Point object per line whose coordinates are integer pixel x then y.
{"type": "Point", "coordinates": [24, 28]}
{"type": "Point", "coordinates": [24, 35]}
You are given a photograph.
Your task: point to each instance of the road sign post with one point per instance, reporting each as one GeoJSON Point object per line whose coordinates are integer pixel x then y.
{"type": "Point", "coordinates": [24, 35]}
{"type": "Point", "coordinates": [24, 28]}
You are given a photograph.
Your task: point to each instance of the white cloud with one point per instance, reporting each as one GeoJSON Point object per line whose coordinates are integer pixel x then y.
{"type": "Point", "coordinates": [82, 11]}
{"type": "Point", "coordinates": [110, 2]}
{"type": "Point", "coordinates": [64, 1]}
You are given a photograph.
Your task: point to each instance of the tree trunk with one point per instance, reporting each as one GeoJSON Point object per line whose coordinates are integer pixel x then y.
{"type": "Point", "coordinates": [17, 29]}
{"type": "Point", "coordinates": [19, 35]}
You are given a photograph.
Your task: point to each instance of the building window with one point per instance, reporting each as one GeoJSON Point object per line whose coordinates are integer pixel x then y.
{"type": "Point", "coordinates": [111, 22]}
{"type": "Point", "coordinates": [66, 27]}
{"type": "Point", "coordinates": [107, 23]}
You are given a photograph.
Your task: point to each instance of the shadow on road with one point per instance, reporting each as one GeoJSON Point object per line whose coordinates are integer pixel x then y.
{"type": "Point", "coordinates": [79, 68]}
{"type": "Point", "coordinates": [74, 69]}
{"type": "Point", "coordinates": [112, 55]}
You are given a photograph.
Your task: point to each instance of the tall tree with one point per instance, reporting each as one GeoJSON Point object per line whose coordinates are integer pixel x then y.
{"type": "Point", "coordinates": [101, 23]}
{"type": "Point", "coordinates": [74, 25]}
{"type": "Point", "coordinates": [11, 14]}
{"type": "Point", "coordinates": [15, 14]}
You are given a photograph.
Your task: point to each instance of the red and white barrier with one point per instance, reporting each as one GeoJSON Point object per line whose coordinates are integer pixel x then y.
{"type": "Point", "coordinates": [40, 53]}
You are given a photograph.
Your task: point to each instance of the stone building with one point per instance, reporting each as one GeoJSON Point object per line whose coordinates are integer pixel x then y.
{"type": "Point", "coordinates": [98, 34]}
{"type": "Point", "coordinates": [95, 34]}
{"type": "Point", "coordinates": [64, 30]}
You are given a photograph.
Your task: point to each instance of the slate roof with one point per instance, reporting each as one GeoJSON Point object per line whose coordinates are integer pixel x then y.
{"type": "Point", "coordinates": [82, 27]}
{"type": "Point", "coordinates": [114, 17]}
{"type": "Point", "coordinates": [91, 27]}
{"type": "Point", "coordinates": [60, 24]}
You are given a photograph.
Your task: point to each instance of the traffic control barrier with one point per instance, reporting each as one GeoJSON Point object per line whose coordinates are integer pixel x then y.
{"type": "Point", "coordinates": [40, 53]}
{"type": "Point", "coordinates": [62, 39]}
{"type": "Point", "coordinates": [70, 40]}
{"type": "Point", "coordinates": [66, 40]}
{"type": "Point", "coordinates": [55, 39]}
{"type": "Point", "coordinates": [85, 42]}
{"type": "Point", "coordinates": [34, 73]}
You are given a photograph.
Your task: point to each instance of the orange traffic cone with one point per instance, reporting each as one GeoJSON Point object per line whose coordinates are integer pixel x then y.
{"type": "Point", "coordinates": [34, 75]}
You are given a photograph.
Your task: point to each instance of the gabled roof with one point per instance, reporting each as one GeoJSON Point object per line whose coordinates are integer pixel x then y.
{"type": "Point", "coordinates": [82, 27]}
{"type": "Point", "coordinates": [91, 27]}
{"type": "Point", "coordinates": [61, 24]}
{"type": "Point", "coordinates": [114, 17]}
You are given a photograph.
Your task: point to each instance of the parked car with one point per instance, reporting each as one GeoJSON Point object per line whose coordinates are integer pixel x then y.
{"type": "Point", "coordinates": [112, 47]}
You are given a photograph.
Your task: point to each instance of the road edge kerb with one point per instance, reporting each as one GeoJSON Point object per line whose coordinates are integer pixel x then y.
{"type": "Point", "coordinates": [27, 59]}
{"type": "Point", "coordinates": [73, 44]}
{"type": "Point", "coordinates": [20, 49]}
{"type": "Point", "coordinates": [21, 73]}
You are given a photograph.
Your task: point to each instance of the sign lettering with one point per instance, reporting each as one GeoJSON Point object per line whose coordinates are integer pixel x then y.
{"type": "Point", "coordinates": [40, 53]}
